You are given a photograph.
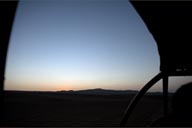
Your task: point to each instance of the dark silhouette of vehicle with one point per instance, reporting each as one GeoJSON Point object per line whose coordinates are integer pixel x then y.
{"type": "Point", "coordinates": [7, 12]}
{"type": "Point", "coordinates": [170, 23]}
{"type": "Point", "coordinates": [181, 109]}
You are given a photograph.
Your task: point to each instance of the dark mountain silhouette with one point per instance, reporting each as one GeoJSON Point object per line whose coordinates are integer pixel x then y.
{"type": "Point", "coordinates": [100, 91]}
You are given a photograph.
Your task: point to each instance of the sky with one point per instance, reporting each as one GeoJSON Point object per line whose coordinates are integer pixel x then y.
{"type": "Point", "coordinates": [81, 44]}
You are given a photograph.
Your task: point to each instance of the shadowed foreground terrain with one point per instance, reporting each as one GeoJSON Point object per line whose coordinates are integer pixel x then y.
{"type": "Point", "coordinates": [75, 109]}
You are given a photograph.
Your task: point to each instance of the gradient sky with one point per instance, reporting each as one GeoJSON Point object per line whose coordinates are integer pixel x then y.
{"type": "Point", "coordinates": [80, 44]}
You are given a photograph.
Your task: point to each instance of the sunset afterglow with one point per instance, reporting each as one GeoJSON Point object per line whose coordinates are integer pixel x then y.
{"type": "Point", "coordinates": [79, 44]}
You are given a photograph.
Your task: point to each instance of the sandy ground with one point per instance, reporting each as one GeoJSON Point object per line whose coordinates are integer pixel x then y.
{"type": "Point", "coordinates": [57, 109]}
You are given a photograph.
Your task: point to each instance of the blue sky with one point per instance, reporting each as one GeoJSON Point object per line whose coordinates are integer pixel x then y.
{"type": "Point", "coordinates": [80, 44]}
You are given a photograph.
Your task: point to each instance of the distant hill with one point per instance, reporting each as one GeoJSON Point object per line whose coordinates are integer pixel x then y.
{"type": "Point", "coordinates": [99, 91]}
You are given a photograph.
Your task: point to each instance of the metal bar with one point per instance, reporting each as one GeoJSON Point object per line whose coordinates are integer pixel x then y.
{"type": "Point", "coordinates": [179, 73]}
{"type": "Point", "coordinates": [136, 99]}
{"type": "Point", "coordinates": [165, 93]}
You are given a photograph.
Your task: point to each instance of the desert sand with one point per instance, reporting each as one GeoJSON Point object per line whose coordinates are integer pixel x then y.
{"type": "Point", "coordinates": [61, 109]}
